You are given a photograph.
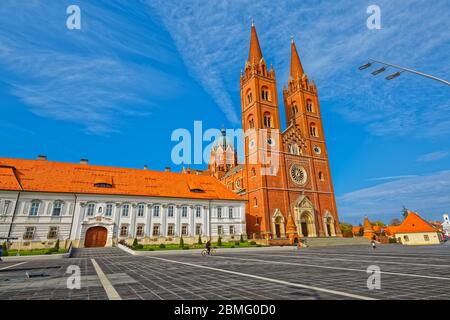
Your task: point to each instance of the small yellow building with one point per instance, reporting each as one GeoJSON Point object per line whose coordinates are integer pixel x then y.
{"type": "Point", "coordinates": [416, 231]}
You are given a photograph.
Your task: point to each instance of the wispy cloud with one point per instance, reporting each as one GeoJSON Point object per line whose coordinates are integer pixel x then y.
{"type": "Point", "coordinates": [333, 40]}
{"type": "Point", "coordinates": [392, 178]}
{"type": "Point", "coordinates": [427, 194]}
{"type": "Point", "coordinates": [94, 76]}
{"type": "Point", "coordinates": [433, 156]}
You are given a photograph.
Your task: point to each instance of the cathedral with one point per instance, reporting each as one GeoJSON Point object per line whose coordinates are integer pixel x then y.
{"type": "Point", "coordinates": [290, 196]}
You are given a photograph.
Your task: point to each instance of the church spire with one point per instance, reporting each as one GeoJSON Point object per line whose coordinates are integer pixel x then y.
{"type": "Point", "coordinates": [296, 65]}
{"type": "Point", "coordinates": [255, 54]}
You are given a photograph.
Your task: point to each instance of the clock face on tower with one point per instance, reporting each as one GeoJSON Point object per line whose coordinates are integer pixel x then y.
{"type": "Point", "coordinates": [298, 174]}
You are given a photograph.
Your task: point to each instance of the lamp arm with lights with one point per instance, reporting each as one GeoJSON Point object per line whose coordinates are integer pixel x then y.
{"type": "Point", "coordinates": [409, 70]}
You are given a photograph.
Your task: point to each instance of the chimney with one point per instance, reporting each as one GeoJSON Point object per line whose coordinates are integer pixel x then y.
{"type": "Point", "coordinates": [145, 167]}
{"type": "Point", "coordinates": [84, 161]}
{"type": "Point", "coordinates": [42, 157]}
{"type": "Point", "coordinates": [167, 169]}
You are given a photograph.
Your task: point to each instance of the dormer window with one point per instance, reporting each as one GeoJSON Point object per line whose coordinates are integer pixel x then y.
{"type": "Point", "coordinates": [103, 185]}
{"type": "Point", "coordinates": [103, 182]}
{"type": "Point", "coordinates": [195, 187]}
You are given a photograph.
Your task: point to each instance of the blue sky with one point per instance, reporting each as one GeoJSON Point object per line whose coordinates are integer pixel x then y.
{"type": "Point", "coordinates": [114, 91]}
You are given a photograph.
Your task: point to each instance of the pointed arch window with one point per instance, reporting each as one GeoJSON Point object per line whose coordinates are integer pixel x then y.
{"type": "Point", "coordinates": [251, 122]}
{"type": "Point", "coordinates": [265, 93]}
{"type": "Point", "coordinates": [267, 120]}
{"type": "Point", "coordinates": [321, 176]}
{"type": "Point", "coordinates": [313, 130]}
{"type": "Point", "coordinates": [249, 97]}
{"type": "Point", "coordinates": [294, 108]}
{"type": "Point", "coordinates": [309, 106]}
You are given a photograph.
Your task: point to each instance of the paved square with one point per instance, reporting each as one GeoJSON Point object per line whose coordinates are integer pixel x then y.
{"type": "Point", "coordinates": [315, 273]}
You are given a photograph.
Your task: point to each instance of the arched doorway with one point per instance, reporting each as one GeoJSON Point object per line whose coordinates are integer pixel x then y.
{"type": "Point", "coordinates": [95, 237]}
{"type": "Point", "coordinates": [307, 227]}
{"type": "Point", "coordinates": [278, 227]}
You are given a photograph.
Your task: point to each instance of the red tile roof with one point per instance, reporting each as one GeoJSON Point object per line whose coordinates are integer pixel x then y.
{"type": "Point", "coordinates": [50, 176]}
{"type": "Point", "coordinates": [414, 223]}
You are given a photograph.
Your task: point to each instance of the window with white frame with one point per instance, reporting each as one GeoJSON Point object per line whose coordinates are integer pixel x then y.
{"type": "Point", "coordinates": [198, 229]}
{"type": "Point", "coordinates": [156, 211]}
{"type": "Point", "coordinates": [140, 230]}
{"type": "Point", "coordinates": [170, 230]}
{"type": "Point", "coordinates": [29, 233]}
{"type": "Point", "coordinates": [90, 209]}
{"type": "Point", "coordinates": [52, 233]}
{"type": "Point", "coordinates": [125, 210]}
{"type": "Point", "coordinates": [219, 212]}
{"type": "Point", "coordinates": [6, 207]}
{"type": "Point", "coordinates": [426, 237]}
{"type": "Point", "coordinates": [141, 210]}
{"type": "Point", "coordinates": [109, 208]}
{"type": "Point", "coordinates": [184, 212]}
{"type": "Point", "coordinates": [123, 230]}
{"type": "Point", "coordinates": [184, 230]}
{"type": "Point", "coordinates": [230, 213]}
{"type": "Point", "coordinates": [170, 212]}
{"type": "Point", "coordinates": [198, 212]}
{"type": "Point", "coordinates": [34, 209]}
{"type": "Point", "coordinates": [57, 206]}
{"type": "Point", "coordinates": [156, 230]}
{"type": "Point", "coordinates": [232, 230]}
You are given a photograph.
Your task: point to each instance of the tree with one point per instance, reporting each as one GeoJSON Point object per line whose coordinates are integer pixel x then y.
{"type": "Point", "coordinates": [219, 241]}
{"type": "Point", "coordinates": [379, 223]}
{"type": "Point", "coordinates": [200, 239]}
{"type": "Point", "coordinates": [395, 222]}
{"type": "Point", "coordinates": [5, 249]}
{"type": "Point", "coordinates": [57, 245]}
{"type": "Point", "coordinates": [346, 227]}
{"type": "Point", "coordinates": [135, 243]}
{"type": "Point", "coordinates": [181, 242]}
{"type": "Point", "coordinates": [242, 238]}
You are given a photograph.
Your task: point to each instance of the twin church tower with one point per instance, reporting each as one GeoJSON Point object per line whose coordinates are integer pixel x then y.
{"type": "Point", "coordinates": [286, 176]}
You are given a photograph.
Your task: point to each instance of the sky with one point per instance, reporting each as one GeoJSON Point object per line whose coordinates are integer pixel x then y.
{"type": "Point", "coordinates": [115, 90]}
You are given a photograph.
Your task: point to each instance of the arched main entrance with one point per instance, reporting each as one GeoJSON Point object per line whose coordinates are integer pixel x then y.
{"type": "Point", "coordinates": [95, 237]}
{"type": "Point", "coordinates": [307, 227]}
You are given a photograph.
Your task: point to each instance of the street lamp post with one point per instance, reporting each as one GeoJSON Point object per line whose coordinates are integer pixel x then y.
{"type": "Point", "coordinates": [399, 71]}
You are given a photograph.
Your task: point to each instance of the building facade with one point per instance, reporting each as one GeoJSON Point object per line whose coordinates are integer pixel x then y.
{"type": "Point", "coordinates": [42, 201]}
{"type": "Point", "coordinates": [285, 172]}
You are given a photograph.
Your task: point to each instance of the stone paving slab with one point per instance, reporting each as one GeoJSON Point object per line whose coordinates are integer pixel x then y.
{"type": "Point", "coordinates": [313, 273]}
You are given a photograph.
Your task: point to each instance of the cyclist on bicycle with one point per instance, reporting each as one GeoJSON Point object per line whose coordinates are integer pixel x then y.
{"type": "Point", "coordinates": [208, 246]}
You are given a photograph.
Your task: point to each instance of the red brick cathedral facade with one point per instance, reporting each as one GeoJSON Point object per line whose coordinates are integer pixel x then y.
{"type": "Point", "coordinates": [293, 196]}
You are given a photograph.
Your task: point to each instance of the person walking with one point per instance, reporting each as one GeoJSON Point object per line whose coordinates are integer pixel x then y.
{"type": "Point", "coordinates": [374, 244]}
{"type": "Point", "coordinates": [1, 253]}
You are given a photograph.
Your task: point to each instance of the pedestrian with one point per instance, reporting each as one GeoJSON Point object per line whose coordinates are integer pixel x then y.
{"type": "Point", "coordinates": [374, 245]}
{"type": "Point", "coordinates": [1, 253]}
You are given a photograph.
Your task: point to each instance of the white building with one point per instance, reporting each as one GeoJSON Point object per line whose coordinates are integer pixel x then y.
{"type": "Point", "coordinates": [446, 225]}
{"type": "Point", "coordinates": [87, 205]}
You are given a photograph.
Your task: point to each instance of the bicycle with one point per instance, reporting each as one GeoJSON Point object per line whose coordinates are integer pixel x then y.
{"type": "Point", "coordinates": [211, 252]}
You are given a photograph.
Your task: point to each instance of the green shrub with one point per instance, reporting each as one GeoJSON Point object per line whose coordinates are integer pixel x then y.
{"type": "Point", "coordinates": [219, 241]}
{"type": "Point", "coordinates": [237, 243]}
{"type": "Point", "coordinates": [57, 245]}
{"type": "Point", "coordinates": [242, 239]}
{"type": "Point", "coordinates": [139, 246]}
{"type": "Point", "coordinates": [392, 240]}
{"type": "Point", "coordinates": [186, 248]}
{"type": "Point", "coordinates": [232, 247]}
{"type": "Point", "coordinates": [135, 243]}
{"type": "Point", "coordinates": [259, 245]}
{"type": "Point", "coordinates": [162, 246]}
{"type": "Point", "coordinates": [200, 239]}
{"type": "Point", "coordinates": [151, 249]}
{"type": "Point", "coordinates": [181, 242]}
{"type": "Point", "coordinates": [5, 249]}
{"type": "Point", "coordinates": [253, 242]}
